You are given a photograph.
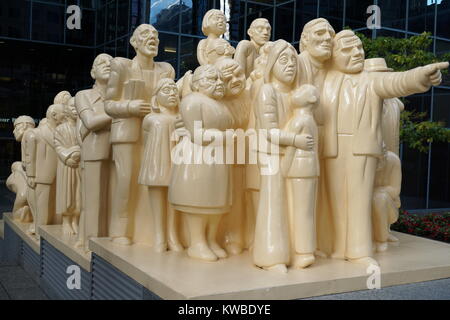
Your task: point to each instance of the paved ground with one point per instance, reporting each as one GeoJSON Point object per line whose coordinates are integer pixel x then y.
{"type": "Point", "coordinates": [15, 283]}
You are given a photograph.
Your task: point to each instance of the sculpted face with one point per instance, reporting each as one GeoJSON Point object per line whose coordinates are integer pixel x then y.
{"type": "Point", "coordinates": [319, 41]}
{"type": "Point", "coordinates": [20, 129]}
{"type": "Point", "coordinates": [233, 77]}
{"type": "Point", "coordinates": [285, 68]}
{"type": "Point", "coordinates": [145, 40]}
{"type": "Point", "coordinates": [71, 111]}
{"type": "Point", "coordinates": [168, 95]}
{"type": "Point", "coordinates": [218, 23]}
{"type": "Point", "coordinates": [102, 67]}
{"type": "Point", "coordinates": [348, 55]}
{"type": "Point", "coordinates": [211, 84]}
{"type": "Point", "coordinates": [260, 32]}
{"type": "Point", "coordinates": [219, 49]}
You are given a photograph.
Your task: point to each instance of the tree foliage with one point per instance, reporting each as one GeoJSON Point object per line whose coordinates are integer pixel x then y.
{"type": "Point", "coordinates": [403, 54]}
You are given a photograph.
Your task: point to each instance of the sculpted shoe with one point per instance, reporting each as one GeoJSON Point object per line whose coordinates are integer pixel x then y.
{"type": "Point", "coordinates": [201, 251]}
{"type": "Point", "coordinates": [381, 246]}
{"type": "Point", "coordinates": [125, 241]}
{"type": "Point", "coordinates": [233, 248]}
{"type": "Point", "coordinates": [177, 247]}
{"type": "Point", "coordinates": [303, 260]}
{"type": "Point", "coordinates": [392, 238]}
{"type": "Point", "coordinates": [219, 252]}
{"type": "Point", "coordinates": [281, 268]}
{"type": "Point", "coordinates": [160, 247]}
{"type": "Point", "coordinates": [367, 261]}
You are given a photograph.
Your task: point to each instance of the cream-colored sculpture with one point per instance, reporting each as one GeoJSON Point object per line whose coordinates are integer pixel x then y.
{"type": "Point", "coordinates": [237, 100]}
{"type": "Point", "coordinates": [202, 189]}
{"type": "Point", "coordinates": [271, 248]}
{"type": "Point", "coordinates": [315, 51]}
{"type": "Point", "coordinates": [301, 168]}
{"type": "Point", "coordinates": [352, 101]}
{"type": "Point", "coordinates": [17, 183]}
{"type": "Point", "coordinates": [214, 25]}
{"type": "Point", "coordinates": [94, 127]}
{"type": "Point", "coordinates": [386, 198]}
{"type": "Point", "coordinates": [68, 177]}
{"type": "Point", "coordinates": [41, 168]}
{"type": "Point", "coordinates": [390, 123]}
{"type": "Point", "coordinates": [18, 179]}
{"type": "Point", "coordinates": [128, 97]}
{"type": "Point", "coordinates": [156, 165]}
{"type": "Point", "coordinates": [247, 51]}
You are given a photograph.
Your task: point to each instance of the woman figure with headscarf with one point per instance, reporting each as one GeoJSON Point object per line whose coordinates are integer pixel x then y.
{"type": "Point", "coordinates": [271, 249]}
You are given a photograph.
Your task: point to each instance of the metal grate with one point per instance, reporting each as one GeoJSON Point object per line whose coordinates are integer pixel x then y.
{"type": "Point", "coordinates": [54, 276]}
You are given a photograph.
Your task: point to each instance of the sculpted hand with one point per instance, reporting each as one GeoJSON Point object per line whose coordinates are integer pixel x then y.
{"type": "Point", "coordinates": [179, 123]}
{"type": "Point", "coordinates": [304, 142]}
{"type": "Point", "coordinates": [139, 108]}
{"type": "Point", "coordinates": [76, 156]}
{"type": "Point", "coordinates": [433, 72]}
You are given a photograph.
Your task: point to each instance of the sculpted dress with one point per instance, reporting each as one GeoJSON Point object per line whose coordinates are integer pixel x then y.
{"type": "Point", "coordinates": [68, 180]}
{"type": "Point", "coordinates": [271, 244]}
{"type": "Point", "coordinates": [201, 187]}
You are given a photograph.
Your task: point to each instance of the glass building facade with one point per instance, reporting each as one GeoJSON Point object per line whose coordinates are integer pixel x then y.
{"type": "Point", "coordinates": [40, 56]}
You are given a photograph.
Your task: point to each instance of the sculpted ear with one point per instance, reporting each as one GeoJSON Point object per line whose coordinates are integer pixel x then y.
{"type": "Point", "coordinates": [133, 41]}
{"type": "Point", "coordinates": [250, 32]}
{"type": "Point", "coordinates": [92, 74]}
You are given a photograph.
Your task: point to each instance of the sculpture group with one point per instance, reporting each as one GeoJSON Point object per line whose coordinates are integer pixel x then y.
{"type": "Point", "coordinates": [321, 126]}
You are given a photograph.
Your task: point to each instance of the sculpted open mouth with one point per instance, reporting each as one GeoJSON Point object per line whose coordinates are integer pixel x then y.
{"type": "Point", "coordinates": [236, 85]}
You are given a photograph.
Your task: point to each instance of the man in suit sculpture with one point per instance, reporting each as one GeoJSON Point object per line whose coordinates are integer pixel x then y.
{"type": "Point", "coordinates": [94, 127]}
{"type": "Point", "coordinates": [128, 96]}
{"type": "Point", "coordinates": [41, 167]}
{"type": "Point", "coordinates": [353, 103]}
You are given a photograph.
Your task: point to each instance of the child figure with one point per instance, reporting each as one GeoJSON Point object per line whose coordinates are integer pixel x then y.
{"type": "Point", "coordinates": [301, 169]}
{"type": "Point", "coordinates": [68, 176]}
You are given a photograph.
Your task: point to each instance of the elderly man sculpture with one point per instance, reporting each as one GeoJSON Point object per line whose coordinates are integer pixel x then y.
{"type": "Point", "coordinates": [353, 102]}
{"type": "Point", "coordinates": [129, 92]}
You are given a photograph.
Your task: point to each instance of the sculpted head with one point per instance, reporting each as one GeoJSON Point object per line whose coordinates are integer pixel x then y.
{"type": "Point", "coordinates": [22, 124]}
{"type": "Point", "coordinates": [145, 40]}
{"type": "Point", "coordinates": [260, 31]}
{"type": "Point", "coordinates": [219, 49]}
{"type": "Point", "coordinates": [55, 114]}
{"type": "Point", "coordinates": [166, 93]}
{"type": "Point", "coordinates": [101, 68]}
{"type": "Point", "coordinates": [348, 52]}
{"type": "Point", "coordinates": [62, 97]}
{"type": "Point", "coordinates": [207, 80]}
{"type": "Point", "coordinates": [233, 77]}
{"type": "Point", "coordinates": [70, 110]}
{"type": "Point", "coordinates": [281, 63]}
{"type": "Point", "coordinates": [316, 39]}
{"type": "Point", "coordinates": [214, 22]}
{"type": "Point", "coordinates": [16, 166]}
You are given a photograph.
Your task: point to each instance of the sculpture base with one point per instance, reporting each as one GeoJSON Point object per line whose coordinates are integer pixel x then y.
{"type": "Point", "coordinates": [174, 275]}
{"type": "Point", "coordinates": [53, 234]}
{"type": "Point", "coordinates": [21, 229]}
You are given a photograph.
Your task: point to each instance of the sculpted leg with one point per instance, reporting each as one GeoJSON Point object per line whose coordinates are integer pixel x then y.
{"type": "Point", "coordinates": [158, 207]}
{"type": "Point", "coordinates": [304, 227]}
{"type": "Point", "coordinates": [123, 159]}
{"type": "Point", "coordinates": [380, 220]}
{"type": "Point", "coordinates": [31, 198]}
{"type": "Point", "coordinates": [212, 228]}
{"type": "Point", "coordinates": [361, 181]}
{"type": "Point", "coordinates": [198, 247]}
{"type": "Point", "coordinates": [172, 228]}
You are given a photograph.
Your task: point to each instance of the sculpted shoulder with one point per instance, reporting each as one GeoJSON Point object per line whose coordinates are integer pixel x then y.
{"type": "Point", "coordinates": [119, 63]}
{"type": "Point", "coordinates": [167, 69]}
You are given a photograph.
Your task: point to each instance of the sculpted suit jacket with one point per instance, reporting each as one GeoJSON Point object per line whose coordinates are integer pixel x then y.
{"type": "Point", "coordinates": [371, 89]}
{"type": "Point", "coordinates": [125, 127]}
{"type": "Point", "coordinates": [94, 129]}
{"type": "Point", "coordinates": [43, 158]}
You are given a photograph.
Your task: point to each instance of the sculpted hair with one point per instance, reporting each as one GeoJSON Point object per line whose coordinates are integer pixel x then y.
{"type": "Point", "coordinates": [199, 74]}
{"type": "Point", "coordinates": [256, 21]}
{"type": "Point", "coordinates": [307, 29]}
{"type": "Point", "coordinates": [62, 98]}
{"type": "Point", "coordinates": [24, 119]}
